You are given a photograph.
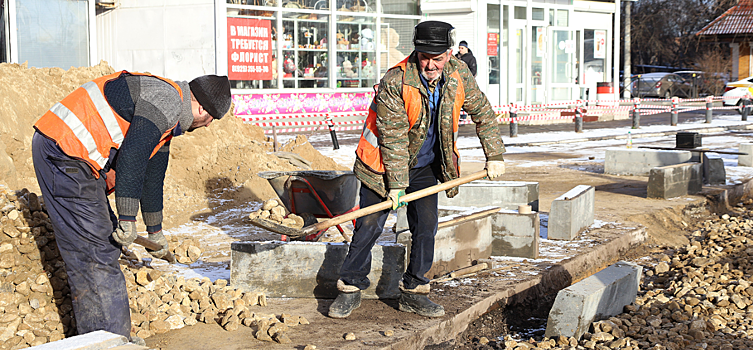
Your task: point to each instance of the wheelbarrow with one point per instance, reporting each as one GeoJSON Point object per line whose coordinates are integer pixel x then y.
{"type": "Point", "coordinates": [315, 194]}
{"type": "Point", "coordinates": [313, 228]}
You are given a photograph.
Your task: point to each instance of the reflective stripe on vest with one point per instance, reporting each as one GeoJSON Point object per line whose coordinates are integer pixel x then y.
{"type": "Point", "coordinates": [85, 126]}
{"type": "Point", "coordinates": [368, 146]}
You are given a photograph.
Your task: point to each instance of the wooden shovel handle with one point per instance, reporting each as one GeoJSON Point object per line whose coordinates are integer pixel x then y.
{"type": "Point", "coordinates": [147, 243]}
{"type": "Point", "coordinates": [388, 203]}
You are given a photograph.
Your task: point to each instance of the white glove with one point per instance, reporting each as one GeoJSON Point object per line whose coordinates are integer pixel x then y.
{"type": "Point", "coordinates": [395, 195]}
{"type": "Point", "coordinates": [494, 168]}
{"type": "Point", "coordinates": [125, 233]}
{"type": "Point", "coordinates": [158, 237]}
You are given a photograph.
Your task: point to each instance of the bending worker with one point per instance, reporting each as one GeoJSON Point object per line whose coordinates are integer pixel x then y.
{"type": "Point", "coordinates": [123, 123]}
{"type": "Point", "coordinates": [407, 144]}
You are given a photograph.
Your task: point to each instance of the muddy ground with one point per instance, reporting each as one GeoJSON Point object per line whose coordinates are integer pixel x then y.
{"type": "Point", "coordinates": [620, 201]}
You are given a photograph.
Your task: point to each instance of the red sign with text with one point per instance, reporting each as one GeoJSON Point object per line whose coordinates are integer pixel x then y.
{"type": "Point", "coordinates": [491, 44]}
{"type": "Point", "coordinates": [249, 49]}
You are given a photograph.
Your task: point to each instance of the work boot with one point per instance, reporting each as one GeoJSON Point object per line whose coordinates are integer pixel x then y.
{"type": "Point", "coordinates": [348, 300]}
{"type": "Point", "coordinates": [416, 300]}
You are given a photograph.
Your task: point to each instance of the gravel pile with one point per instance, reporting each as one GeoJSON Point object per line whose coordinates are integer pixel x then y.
{"type": "Point", "coordinates": [35, 302]}
{"type": "Point", "coordinates": [697, 297]}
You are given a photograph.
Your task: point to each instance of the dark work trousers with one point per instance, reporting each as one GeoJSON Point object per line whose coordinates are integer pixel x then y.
{"type": "Point", "coordinates": [77, 204]}
{"type": "Point", "coordinates": [422, 221]}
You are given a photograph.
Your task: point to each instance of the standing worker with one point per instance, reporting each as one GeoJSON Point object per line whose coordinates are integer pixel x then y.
{"type": "Point", "coordinates": [466, 55]}
{"type": "Point", "coordinates": [407, 144]}
{"type": "Point", "coordinates": [123, 123]}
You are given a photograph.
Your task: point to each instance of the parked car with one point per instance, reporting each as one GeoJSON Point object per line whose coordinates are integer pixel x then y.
{"type": "Point", "coordinates": [662, 85]}
{"type": "Point", "coordinates": [737, 89]}
{"type": "Point", "coordinates": [703, 83]}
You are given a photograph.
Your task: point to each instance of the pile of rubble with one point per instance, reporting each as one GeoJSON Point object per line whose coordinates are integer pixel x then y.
{"type": "Point", "coordinates": [35, 301]}
{"type": "Point", "coordinates": [696, 297]}
{"type": "Point", "coordinates": [274, 211]}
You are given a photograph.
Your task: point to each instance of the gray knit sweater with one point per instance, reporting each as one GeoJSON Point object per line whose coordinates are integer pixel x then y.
{"type": "Point", "coordinates": [152, 106]}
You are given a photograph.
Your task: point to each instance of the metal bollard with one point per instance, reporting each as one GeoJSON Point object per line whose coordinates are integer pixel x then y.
{"type": "Point", "coordinates": [578, 119]}
{"type": "Point", "coordinates": [709, 106]}
{"type": "Point", "coordinates": [514, 122]}
{"type": "Point", "coordinates": [745, 108]}
{"type": "Point", "coordinates": [673, 113]}
{"type": "Point", "coordinates": [274, 139]}
{"type": "Point", "coordinates": [636, 113]}
{"type": "Point", "coordinates": [332, 134]}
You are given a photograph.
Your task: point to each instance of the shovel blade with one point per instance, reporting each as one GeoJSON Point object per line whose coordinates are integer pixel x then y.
{"type": "Point", "coordinates": [277, 228]}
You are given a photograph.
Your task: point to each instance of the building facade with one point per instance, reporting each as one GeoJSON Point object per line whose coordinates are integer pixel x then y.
{"type": "Point", "coordinates": [292, 56]}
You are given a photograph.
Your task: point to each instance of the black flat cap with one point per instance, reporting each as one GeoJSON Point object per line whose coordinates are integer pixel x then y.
{"type": "Point", "coordinates": [213, 93]}
{"type": "Point", "coordinates": [433, 37]}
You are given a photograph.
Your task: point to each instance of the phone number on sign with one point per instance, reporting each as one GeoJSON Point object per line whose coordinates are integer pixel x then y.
{"type": "Point", "coordinates": [249, 69]}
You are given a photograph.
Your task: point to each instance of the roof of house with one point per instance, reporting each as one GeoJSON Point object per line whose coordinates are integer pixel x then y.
{"type": "Point", "coordinates": [736, 20]}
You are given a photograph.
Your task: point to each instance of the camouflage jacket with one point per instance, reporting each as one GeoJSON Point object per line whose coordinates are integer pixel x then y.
{"type": "Point", "coordinates": [399, 145]}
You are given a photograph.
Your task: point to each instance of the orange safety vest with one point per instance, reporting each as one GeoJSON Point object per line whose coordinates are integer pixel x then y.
{"type": "Point", "coordinates": [85, 126]}
{"type": "Point", "coordinates": [368, 146]}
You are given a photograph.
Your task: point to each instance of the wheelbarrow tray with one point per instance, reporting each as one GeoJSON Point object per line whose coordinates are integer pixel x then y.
{"type": "Point", "coordinates": [338, 190]}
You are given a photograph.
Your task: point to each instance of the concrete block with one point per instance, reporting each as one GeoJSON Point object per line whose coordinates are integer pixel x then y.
{"type": "Point", "coordinates": [746, 160]}
{"type": "Point", "coordinates": [713, 169]}
{"type": "Point", "coordinates": [310, 269]}
{"type": "Point", "coordinates": [461, 239]}
{"type": "Point", "coordinates": [640, 161]}
{"type": "Point", "coordinates": [571, 212]}
{"type": "Point", "coordinates": [401, 225]}
{"type": "Point", "coordinates": [675, 180]}
{"type": "Point", "coordinates": [595, 298]}
{"type": "Point", "coordinates": [97, 340]}
{"type": "Point", "coordinates": [503, 194]}
{"type": "Point", "coordinates": [515, 234]}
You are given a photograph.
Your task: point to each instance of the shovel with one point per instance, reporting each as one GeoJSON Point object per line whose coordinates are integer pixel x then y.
{"type": "Point", "coordinates": [313, 228]}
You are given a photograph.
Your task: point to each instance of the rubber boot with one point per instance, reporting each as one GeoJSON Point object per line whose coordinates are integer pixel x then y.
{"type": "Point", "coordinates": [344, 304]}
{"type": "Point", "coordinates": [419, 304]}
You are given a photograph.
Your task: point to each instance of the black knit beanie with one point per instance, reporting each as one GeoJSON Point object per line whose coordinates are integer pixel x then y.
{"type": "Point", "coordinates": [213, 93]}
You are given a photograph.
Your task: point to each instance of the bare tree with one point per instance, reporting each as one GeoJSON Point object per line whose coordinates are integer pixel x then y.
{"type": "Point", "coordinates": [663, 31]}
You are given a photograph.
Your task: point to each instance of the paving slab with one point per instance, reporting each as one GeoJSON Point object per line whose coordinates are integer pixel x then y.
{"type": "Point", "coordinates": [97, 340]}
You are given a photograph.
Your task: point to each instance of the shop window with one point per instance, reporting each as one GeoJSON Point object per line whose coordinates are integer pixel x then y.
{"type": "Point", "coordinates": [356, 51]}
{"type": "Point", "coordinates": [3, 36]}
{"type": "Point", "coordinates": [493, 45]}
{"type": "Point", "coordinates": [562, 18]}
{"type": "Point", "coordinates": [305, 42]}
{"type": "Point", "coordinates": [520, 12]}
{"type": "Point", "coordinates": [254, 2]}
{"type": "Point", "coordinates": [356, 5]}
{"type": "Point", "coordinates": [537, 14]}
{"type": "Point", "coordinates": [396, 41]}
{"type": "Point", "coordinates": [400, 7]}
{"type": "Point", "coordinates": [53, 33]}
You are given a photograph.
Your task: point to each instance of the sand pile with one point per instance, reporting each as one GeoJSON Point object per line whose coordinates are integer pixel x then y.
{"type": "Point", "coordinates": [35, 301]}
{"type": "Point", "coordinates": [218, 162]}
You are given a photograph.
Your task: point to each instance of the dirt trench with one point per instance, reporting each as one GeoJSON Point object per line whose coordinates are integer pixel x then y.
{"type": "Point", "coordinates": [525, 315]}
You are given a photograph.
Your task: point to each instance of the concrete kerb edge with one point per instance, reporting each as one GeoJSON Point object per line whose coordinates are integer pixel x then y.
{"type": "Point", "coordinates": [703, 130]}
{"type": "Point", "coordinates": [577, 267]}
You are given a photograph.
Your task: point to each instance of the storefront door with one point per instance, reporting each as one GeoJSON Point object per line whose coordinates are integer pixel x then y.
{"type": "Point", "coordinates": [538, 65]}
{"type": "Point", "coordinates": [563, 75]}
